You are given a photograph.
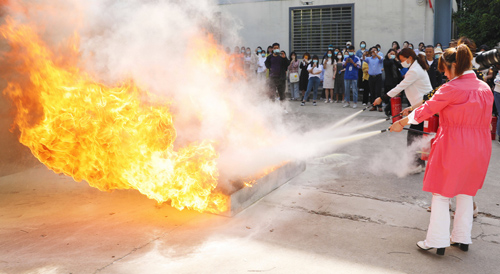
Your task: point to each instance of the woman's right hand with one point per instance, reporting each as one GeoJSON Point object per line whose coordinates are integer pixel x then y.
{"type": "Point", "coordinates": [377, 101]}
{"type": "Point", "coordinates": [406, 111]}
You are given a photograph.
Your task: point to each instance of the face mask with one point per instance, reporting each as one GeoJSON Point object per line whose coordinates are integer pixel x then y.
{"type": "Point", "coordinates": [259, 51]}
{"type": "Point", "coordinates": [351, 53]}
{"type": "Point", "coordinates": [346, 56]}
{"type": "Point", "coordinates": [336, 52]}
{"type": "Point", "coordinates": [263, 55]}
{"type": "Point", "coordinates": [378, 49]}
{"type": "Point", "coordinates": [330, 48]}
{"type": "Point", "coordinates": [392, 56]}
{"type": "Point", "coordinates": [405, 64]}
{"type": "Point", "coordinates": [329, 55]}
{"type": "Point", "coordinates": [248, 52]}
{"type": "Point", "coordinates": [315, 61]}
{"type": "Point", "coordinates": [339, 56]}
{"type": "Point", "coordinates": [411, 47]}
{"type": "Point", "coordinates": [242, 51]}
{"type": "Point", "coordinates": [437, 56]}
{"type": "Point", "coordinates": [276, 51]}
{"type": "Point", "coordinates": [363, 46]}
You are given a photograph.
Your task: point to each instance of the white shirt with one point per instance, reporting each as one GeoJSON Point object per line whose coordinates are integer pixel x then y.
{"type": "Point", "coordinates": [415, 84]}
{"type": "Point", "coordinates": [411, 116]}
{"type": "Point", "coordinates": [261, 66]}
{"type": "Point", "coordinates": [497, 83]}
{"type": "Point", "coordinates": [315, 70]}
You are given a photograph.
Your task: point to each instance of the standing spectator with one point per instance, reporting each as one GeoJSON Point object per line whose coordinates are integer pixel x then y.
{"type": "Point", "coordinates": [329, 68]}
{"type": "Point", "coordinates": [415, 84]}
{"type": "Point", "coordinates": [261, 66]}
{"type": "Point", "coordinates": [375, 66]}
{"type": "Point", "coordinates": [440, 46]}
{"type": "Point", "coordinates": [339, 78]}
{"type": "Point", "coordinates": [277, 66]}
{"type": "Point", "coordinates": [304, 74]}
{"type": "Point", "coordinates": [249, 61]}
{"type": "Point", "coordinates": [351, 64]}
{"type": "Point", "coordinates": [362, 49]}
{"type": "Point", "coordinates": [435, 76]}
{"type": "Point", "coordinates": [395, 46]}
{"type": "Point", "coordinates": [293, 69]}
{"type": "Point", "coordinates": [314, 70]}
{"type": "Point", "coordinates": [405, 44]}
{"type": "Point", "coordinates": [379, 49]}
{"type": "Point", "coordinates": [421, 47]}
{"type": "Point", "coordinates": [347, 45]}
{"type": "Point", "coordinates": [364, 85]}
{"type": "Point", "coordinates": [392, 77]}
{"type": "Point", "coordinates": [496, 93]}
{"type": "Point", "coordinates": [453, 43]}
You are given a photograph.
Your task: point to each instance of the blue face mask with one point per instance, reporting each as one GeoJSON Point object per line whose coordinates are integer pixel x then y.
{"type": "Point", "coordinates": [437, 56]}
{"type": "Point", "coordinates": [276, 51]}
{"type": "Point", "coordinates": [363, 46]}
{"type": "Point", "coordinates": [263, 55]}
{"type": "Point", "coordinates": [315, 61]}
{"type": "Point", "coordinates": [259, 50]}
{"type": "Point", "coordinates": [336, 52]}
{"type": "Point", "coordinates": [351, 53]}
{"type": "Point", "coordinates": [346, 56]}
{"type": "Point", "coordinates": [329, 55]}
{"type": "Point", "coordinates": [330, 48]}
{"type": "Point", "coordinates": [392, 56]}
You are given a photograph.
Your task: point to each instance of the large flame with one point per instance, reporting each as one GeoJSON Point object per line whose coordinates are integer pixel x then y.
{"type": "Point", "coordinates": [105, 135]}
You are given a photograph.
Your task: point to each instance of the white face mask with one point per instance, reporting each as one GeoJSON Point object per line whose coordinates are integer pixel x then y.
{"type": "Point", "coordinates": [405, 64]}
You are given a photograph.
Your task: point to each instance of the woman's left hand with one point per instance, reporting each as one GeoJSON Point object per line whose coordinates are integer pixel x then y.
{"type": "Point", "coordinates": [406, 111]}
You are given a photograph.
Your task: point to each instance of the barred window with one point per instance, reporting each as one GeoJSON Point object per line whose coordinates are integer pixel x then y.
{"type": "Point", "coordinates": [312, 29]}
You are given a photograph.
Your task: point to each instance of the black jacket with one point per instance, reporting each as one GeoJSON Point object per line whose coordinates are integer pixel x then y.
{"type": "Point", "coordinates": [284, 63]}
{"type": "Point", "coordinates": [435, 76]}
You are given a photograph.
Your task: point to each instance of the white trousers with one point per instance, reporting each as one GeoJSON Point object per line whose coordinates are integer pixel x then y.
{"type": "Point", "coordinates": [438, 234]}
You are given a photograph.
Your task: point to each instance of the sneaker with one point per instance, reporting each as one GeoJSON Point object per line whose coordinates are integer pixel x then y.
{"type": "Point", "coordinates": [355, 106]}
{"type": "Point", "coordinates": [373, 109]}
{"type": "Point", "coordinates": [345, 105]}
{"type": "Point", "coordinates": [314, 103]}
{"type": "Point", "coordinates": [303, 103]}
{"type": "Point", "coordinates": [330, 101]}
{"type": "Point", "coordinates": [326, 101]}
{"type": "Point", "coordinates": [364, 104]}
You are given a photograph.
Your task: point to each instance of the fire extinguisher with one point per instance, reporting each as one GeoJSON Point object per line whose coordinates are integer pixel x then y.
{"type": "Point", "coordinates": [431, 125]}
{"type": "Point", "coordinates": [396, 108]}
{"type": "Point", "coordinates": [494, 120]}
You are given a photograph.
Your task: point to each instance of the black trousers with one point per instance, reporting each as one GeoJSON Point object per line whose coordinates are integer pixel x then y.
{"type": "Point", "coordinates": [366, 91]}
{"type": "Point", "coordinates": [375, 82]}
{"type": "Point", "coordinates": [411, 138]}
{"type": "Point", "coordinates": [277, 83]}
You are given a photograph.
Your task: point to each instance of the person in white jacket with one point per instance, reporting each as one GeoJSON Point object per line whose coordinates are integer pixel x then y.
{"type": "Point", "coordinates": [416, 84]}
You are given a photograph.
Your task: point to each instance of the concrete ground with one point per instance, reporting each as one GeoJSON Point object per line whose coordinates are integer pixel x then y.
{"type": "Point", "coordinates": [347, 213]}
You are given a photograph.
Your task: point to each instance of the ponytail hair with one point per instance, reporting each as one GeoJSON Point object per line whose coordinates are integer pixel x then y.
{"type": "Point", "coordinates": [461, 56]}
{"type": "Point", "coordinates": [407, 52]}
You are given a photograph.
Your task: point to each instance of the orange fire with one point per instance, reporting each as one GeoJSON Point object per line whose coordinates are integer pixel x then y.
{"type": "Point", "coordinates": [105, 135]}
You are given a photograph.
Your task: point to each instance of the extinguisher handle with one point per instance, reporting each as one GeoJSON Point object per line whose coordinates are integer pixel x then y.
{"type": "Point", "coordinates": [390, 118]}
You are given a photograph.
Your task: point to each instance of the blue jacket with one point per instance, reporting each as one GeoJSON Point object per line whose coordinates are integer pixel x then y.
{"type": "Point", "coordinates": [351, 71]}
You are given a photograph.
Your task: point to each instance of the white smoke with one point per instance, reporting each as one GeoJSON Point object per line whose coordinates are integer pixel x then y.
{"type": "Point", "coordinates": [154, 42]}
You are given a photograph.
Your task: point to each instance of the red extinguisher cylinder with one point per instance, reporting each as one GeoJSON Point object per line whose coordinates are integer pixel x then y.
{"type": "Point", "coordinates": [396, 108]}
{"type": "Point", "coordinates": [431, 125]}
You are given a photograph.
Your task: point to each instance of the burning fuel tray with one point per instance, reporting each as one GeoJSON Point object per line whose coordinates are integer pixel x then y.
{"type": "Point", "coordinates": [245, 197]}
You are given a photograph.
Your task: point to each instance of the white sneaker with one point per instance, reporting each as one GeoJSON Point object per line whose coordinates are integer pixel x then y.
{"type": "Point", "coordinates": [364, 104]}
{"type": "Point", "coordinates": [326, 101]}
{"type": "Point", "coordinates": [355, 106]}
{"type": "Point", "coordinates": [346, 105]}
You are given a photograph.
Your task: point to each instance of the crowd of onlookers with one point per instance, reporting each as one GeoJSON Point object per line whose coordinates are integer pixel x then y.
{"type": "Point", "coordinates": [342, 72]}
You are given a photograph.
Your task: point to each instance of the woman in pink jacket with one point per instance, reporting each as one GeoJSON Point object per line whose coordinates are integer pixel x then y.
{"type": "Point", "coordinates": [461, 150]}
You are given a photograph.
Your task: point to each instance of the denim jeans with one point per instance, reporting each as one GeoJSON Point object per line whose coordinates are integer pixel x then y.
{"type": "Point", "coordinates": [348, 85]}
{"type": "Point", "coordinates": [294, 90]}
{"type": "Point", "coordinates": [312, 84]}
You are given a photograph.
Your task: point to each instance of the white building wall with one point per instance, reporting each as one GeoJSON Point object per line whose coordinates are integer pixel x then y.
{"type": "Point", "coordinates": [375, 21]}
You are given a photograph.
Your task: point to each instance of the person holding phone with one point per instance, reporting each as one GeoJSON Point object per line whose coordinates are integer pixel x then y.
{"type": "Point", "coordinates": [314, 69]}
